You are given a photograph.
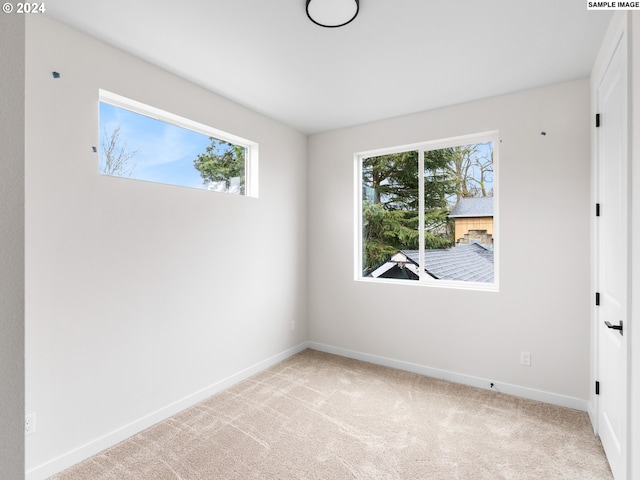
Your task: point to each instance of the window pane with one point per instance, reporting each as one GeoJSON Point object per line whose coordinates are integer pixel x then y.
{"type": "Point", "coordinates": [137, 146]}
{"type": "Point", "coordinates": [390, 236]}
{"type": "Point", "coordinates": [459, 213]}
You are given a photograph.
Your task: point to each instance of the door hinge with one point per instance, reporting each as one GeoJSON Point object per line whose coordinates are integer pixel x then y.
{"type": "Point", "coordinates": [597, 298]}
{"type": "Point", "coordinates": [597, 209]}
{"type": "Point", "coordinates": [597, 388]}
{"type": "Point", "coordinates": [597, 120]}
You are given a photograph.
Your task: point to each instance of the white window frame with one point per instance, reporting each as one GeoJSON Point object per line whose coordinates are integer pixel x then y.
{"type": "Point", "coordinates": [421, 148]}
{"type": "Point", "coordinates": [251, 165]}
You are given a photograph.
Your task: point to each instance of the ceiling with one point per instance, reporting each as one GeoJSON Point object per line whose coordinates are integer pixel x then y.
{"type": "Point", "coordinates": [397, 56]}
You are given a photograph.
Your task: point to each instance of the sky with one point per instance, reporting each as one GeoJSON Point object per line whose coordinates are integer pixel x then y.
{"type": "Point", "coordinates": [166, 151]}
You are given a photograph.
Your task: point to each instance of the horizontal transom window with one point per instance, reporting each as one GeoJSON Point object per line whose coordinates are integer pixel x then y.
{"type": "Point", "coordinates": [141, 142]}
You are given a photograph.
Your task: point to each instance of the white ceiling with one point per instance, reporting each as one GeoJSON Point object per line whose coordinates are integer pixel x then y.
{"type": "Point", "coordinates": [396, 57]}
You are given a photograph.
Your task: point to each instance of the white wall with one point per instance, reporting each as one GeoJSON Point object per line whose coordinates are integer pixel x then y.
{"type": "Point", "coordinates": [143, 298]}
{"type": "Point", "coordinates": [544, 298]}
{"type": "Point", "coordinates": [12, 216]}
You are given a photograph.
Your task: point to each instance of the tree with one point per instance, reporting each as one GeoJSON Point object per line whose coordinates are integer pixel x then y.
{"type": "Point", "coordinates": [484, 176]}
{"type": "Point", "coordinates": [472, 169]}
{"type": "Point", "coordinates": [115, 159]}
{"type": "Point", "coordinates": [390, 212]}
{"type": "Point", "coordinates": [222, 162]}
{"type": "Point", "coordinates": [390, 204]}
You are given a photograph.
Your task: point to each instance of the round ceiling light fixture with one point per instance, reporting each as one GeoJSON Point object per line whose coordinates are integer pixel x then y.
{"type": "Point", "coordinates": [332, 13]}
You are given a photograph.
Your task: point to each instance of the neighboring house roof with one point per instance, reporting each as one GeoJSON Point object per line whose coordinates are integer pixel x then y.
{"type": "Point", "coordinates": [470, 263]}
{"type": "Point", "coordinates": [473, 207]}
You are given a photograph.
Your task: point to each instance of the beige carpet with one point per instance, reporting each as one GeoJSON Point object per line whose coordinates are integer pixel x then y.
{"type": "Point", "coordinates": [319, 416]}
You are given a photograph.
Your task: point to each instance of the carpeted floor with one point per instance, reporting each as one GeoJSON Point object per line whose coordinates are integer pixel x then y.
{"type": "Point", "coordinates": [319, 416]}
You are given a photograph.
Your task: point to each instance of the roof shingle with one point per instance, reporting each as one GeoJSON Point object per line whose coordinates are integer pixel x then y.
{"type": "Point", "coordinates": [469, 263]}
{"type": "Point", "coordinates": [473, 207]}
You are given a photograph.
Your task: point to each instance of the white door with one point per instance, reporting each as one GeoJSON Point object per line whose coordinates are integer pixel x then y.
{"type": "Point", "coordinates": [612, 258]}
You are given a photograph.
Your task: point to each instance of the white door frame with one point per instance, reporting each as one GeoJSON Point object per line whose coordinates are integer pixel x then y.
{"type": "Point", "coordinates": [634, 333]}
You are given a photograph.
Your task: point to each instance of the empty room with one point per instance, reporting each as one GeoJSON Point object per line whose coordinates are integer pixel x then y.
{"type": "Point", "coordinates": [329, 239]}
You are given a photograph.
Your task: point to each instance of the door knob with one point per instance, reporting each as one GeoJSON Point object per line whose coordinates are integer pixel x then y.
{"type": "Point", "coordinates": [614, 327]}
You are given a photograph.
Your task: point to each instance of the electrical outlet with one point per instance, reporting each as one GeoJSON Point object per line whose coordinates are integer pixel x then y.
{"type": "Point", "coordinates": [525, 359]}
{"type": "Point", "coordinates": [30, 424]}
{"type": "Point", "coordinates": [293, 325]}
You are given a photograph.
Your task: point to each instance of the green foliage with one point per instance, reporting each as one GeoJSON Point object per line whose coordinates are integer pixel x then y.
{"type": "Point", "coordinates": [440, 184]}
{"type": "Point", "coordinates": [390, 204]}
{"type": "Point", "coordinates": [394, 180]}
{"type": "Point", "coordinates": [386, 232]}
{"type": "Point", "coordinates": [221, 162]}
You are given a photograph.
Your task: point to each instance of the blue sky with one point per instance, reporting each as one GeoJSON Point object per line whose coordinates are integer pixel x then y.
{"type": "Point", "coordinates": [166, 151]}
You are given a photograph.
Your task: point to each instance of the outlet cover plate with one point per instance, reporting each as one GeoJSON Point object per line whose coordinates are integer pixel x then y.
{"type": "Point", "coordinates": [30, 424]}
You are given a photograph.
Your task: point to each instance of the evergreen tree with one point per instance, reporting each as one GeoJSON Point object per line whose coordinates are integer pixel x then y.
{"type": "Point", "coordinates": [390, 203]}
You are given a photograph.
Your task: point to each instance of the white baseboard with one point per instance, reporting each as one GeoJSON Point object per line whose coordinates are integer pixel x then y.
{"type": "Point", "coordinates": [56, 465]}
{"type": "Point", "coordinates": [516, 390]}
